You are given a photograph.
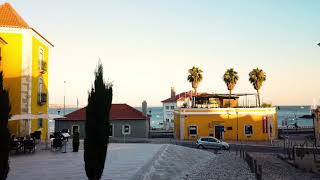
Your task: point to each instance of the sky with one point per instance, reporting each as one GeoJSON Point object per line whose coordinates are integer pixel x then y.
{"type": "Point", "coordinates": [146, 46]}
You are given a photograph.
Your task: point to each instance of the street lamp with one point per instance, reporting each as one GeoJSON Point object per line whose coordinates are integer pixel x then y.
{"type": "Point", "coordinates": [64, 98]}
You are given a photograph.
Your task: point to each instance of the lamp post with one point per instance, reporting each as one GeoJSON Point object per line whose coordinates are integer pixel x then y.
{"type": "Point", "coordinates": [64, 98]}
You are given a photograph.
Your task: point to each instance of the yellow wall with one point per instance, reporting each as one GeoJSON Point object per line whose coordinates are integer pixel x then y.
{"type": "Point", "coordinates": [11, 66]}
{"type": "Point", "coordinates": [205, 125]}
{"type": "Point", "coordinates": [35, 108]}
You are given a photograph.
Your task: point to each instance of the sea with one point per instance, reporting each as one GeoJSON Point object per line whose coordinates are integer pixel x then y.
{"type": "Point", "coordinates": [292, 113]}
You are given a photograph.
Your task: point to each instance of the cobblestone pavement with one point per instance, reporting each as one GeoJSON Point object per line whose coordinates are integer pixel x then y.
{"type": "Point", "coordinates": [124, 161]}
{"type": "Point", "coordinates": [275, 168]}
{"type": "Point", "coordinates": [173, 162]}
{"type": "Point", "coordinates": [226, 166]}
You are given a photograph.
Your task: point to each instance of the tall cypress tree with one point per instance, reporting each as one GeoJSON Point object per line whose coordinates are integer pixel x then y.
{"type": "Point", "coordinates": [5, 109]}
{"type": "Point", "coordinates": [97, 126]}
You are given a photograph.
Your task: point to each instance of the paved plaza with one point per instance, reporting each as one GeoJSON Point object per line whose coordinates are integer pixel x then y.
{"type": "Point", "coordinates": [124, 161]}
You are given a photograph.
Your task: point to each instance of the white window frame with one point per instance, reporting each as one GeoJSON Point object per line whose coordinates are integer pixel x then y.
{"type": "Point", "coordinates": [41, 60]}
{"type": "Point", "coordinates": [40, 88]}
{"type": "Point", "coordinates": [245, 130]}
{"type": "Point", "coordinates": [126, 133]}
{"type": "Point", "coordinates": [193, 135]}
{"type": "Point", "coordinates": [73, 125]}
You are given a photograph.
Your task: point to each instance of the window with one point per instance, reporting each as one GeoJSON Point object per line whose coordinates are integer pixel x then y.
{"type": "Point", "coordinates": [75, 128]}
{"type": "Point", "coordinates": [172, 120]}
{"type": "Point", "coordinates": [229, 128]}
{"type": "Point", "coordinates": [41, 59]}
{"type": "Point", "coordinates": [126, 129]}
{"type": "Point", "coordinates": [193, 130]}
{"type": "Point", "coordinates": [111, 130]}
{"type": "Point", "coordinates": [248, 130]}
{"type": "Point", "coordinates": [40, 85]}
{"type": "Point", "coordinates": [172, 107]}
{"type": "Point", "coordinates": [39, 121]}
{"type": "Point", "coordinates": [212, 140]}
{"type": "Point", "coordinates": [167, 120]}
{"type": "Point", "coordinates": [167, 107]}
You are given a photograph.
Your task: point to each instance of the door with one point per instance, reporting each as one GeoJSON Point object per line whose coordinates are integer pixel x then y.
{"type": "Point", "coordinates": [75, 129]}
{"type": "Point", "coordinates": [218, 132]}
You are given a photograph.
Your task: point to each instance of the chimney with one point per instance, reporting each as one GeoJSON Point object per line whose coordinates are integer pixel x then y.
{"type": "Point", "coordinates": [173, 92]}
{"type": "Point", "coordinates": [144, 107]}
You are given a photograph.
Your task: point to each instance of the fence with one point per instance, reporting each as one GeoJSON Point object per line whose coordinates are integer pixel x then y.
{"type": "Point", "coordinates": [252, 163]}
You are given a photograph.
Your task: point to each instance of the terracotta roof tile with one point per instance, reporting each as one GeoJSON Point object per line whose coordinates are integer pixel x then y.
{"type": "Point", "coordinates": [180, 96]}
{"type": "Point", "coordinates": [117, 112]}
{"type": "Point", "coordinates": [9, 17]}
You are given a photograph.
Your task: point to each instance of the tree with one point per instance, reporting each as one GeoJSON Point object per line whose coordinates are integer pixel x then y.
{"type": "Point", "coordinates": [195, 77]}
{"type": "Point", "coordinates": [5, 109]}
{"type": "Point", "coordinates": [97, 126]}
{"type": "Point", "coordinates": [231, 78]}
{"type": "Point", "coordinates": [257, 77]}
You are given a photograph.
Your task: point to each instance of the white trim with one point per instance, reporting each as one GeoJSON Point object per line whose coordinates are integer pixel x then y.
{"type": "Point", "coordinates": [73, 125]}
{"type": "Point", "coordinates": [230, 111]}
{"type": "Point", "coordinates": [126, 133]}
{"type": "Point", "coordinates": [40, 61]}
{"type": "Point", "coordinates": [24, 30]}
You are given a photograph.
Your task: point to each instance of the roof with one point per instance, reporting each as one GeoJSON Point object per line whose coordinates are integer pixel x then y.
{"type": "Point", "coordinates": [117, 112]}
{"type": "Point", "coordinates": [3, 41]}
{"type": "Point", "coordinates": [10, 18]}
{"type": "Point", "coordinates": [181, 96]}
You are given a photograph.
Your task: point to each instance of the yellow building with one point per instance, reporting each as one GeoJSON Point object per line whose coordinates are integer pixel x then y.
{"type": "Point", "coordinates": [24, 58]}
{"type": "Point", "coordinates": [243, 124]}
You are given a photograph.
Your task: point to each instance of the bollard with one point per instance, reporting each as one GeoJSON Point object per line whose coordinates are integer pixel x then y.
{"type": "Point", "coordinates": [259, 175]}
{"type": "Point", "coordinates": [255, 166]}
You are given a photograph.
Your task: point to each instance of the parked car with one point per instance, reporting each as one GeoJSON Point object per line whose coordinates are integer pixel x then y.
{"type": "Point", "coordinates": [212, 142]}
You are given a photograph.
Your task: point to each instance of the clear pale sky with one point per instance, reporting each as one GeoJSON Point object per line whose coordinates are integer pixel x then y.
{"type": "Point", "coordinates": [147, 46]}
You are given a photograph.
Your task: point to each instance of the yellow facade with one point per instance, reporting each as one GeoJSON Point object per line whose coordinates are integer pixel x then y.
{"type": "Point", "coordinates": [21, 68]}
{"type": "Point", "coordinates": [243, 124]}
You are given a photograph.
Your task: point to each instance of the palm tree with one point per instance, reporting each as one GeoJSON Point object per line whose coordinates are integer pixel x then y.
{"type": "Point", "coordinates": [195, 77]}
{"type": "Point", "coordinates": [257, 77]}
{"type": "Point", "coordinates": [230, 77]}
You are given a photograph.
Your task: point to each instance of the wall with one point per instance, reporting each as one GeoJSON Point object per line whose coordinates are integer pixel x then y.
{"type": "Point", "coordinates": [59, 125]}
{"type": "Point", "coordinates": [205, 124]}
{"type": "Point", "coordinates": [138, 128]}
{"type": "Point", "coordinates": [168, 114]}
{"type": "Point", "coordinates": [11, 64]}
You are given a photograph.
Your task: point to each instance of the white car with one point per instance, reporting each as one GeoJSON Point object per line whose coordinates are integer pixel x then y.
{"type": "Point", "coordinates": [212, 142]}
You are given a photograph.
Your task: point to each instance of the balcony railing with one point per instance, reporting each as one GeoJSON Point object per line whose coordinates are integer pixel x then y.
{"type": "Point", "coordinates": [42, 98]}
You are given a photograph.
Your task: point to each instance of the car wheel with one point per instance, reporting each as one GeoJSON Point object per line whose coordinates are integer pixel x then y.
{"type": "Point", "coordinates": [200, 146]}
